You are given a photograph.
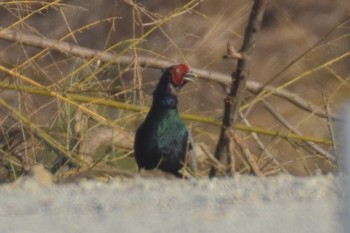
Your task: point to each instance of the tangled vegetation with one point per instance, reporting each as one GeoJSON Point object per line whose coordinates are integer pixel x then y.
{"type": "Point", "coordinates": [76, 79]}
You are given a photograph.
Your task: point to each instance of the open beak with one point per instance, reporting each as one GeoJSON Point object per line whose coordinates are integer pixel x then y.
{"type": "Point", "coordinates": [190, 76]}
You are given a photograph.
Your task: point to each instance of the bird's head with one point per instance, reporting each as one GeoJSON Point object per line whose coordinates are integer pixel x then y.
{"type": "Point", "coordinates": [174, 78]}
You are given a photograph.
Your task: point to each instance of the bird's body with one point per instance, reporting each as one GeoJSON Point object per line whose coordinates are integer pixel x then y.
{"type": "Point", "coordinates": [162, 139]}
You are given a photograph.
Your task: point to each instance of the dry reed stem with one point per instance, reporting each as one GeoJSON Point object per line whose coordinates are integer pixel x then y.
{"type": "Point", "coordinates": [329, 124]}
{"type": "Point", "coordinates": [323, 38]}
{"type": "Point", "coordinates": [42, 135]}
{"type": "Point", "coordinates": [281, 119]}
{"type": "Point", "coordinates": [62, 97]}
{"type": "Point", "coordinates": [298, 78]}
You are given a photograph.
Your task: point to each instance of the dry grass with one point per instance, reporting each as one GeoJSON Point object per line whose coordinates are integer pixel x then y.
{"type": "Point", "coordinates": [72, 97]}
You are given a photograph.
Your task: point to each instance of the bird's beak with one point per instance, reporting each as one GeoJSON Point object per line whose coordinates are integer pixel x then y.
{"type": "Point", "coordinates": [190, 76]}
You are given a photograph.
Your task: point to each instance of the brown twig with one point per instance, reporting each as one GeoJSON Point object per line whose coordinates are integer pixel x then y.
{"type": "Point", "coordinates": [232, 53]}
{"type": "Point", "coordinates": [263, 147]}
{"type": "Point", "coordinates": [251, 161]}
{"type": "Point", "coordinates": [244, 150]}
{"type": "Point", "coordinates": [239, 77]}
{"type": "Point", "coordinates": [212, 158]}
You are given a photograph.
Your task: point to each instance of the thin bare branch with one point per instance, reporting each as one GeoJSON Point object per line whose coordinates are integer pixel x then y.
{"type": "Point", "coordinates": [152, 62]}
{"type": "Point", "coordinates": [280, 118]}
{"type": "Point", "coordinates": [262, 146]}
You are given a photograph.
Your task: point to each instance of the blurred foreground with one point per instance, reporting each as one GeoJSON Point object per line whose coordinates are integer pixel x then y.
{"type": "Point", "coordinates": [240, 204]}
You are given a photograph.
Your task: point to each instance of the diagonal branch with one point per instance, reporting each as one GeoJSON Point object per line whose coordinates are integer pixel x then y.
{"type": "Point", "coordinates": [262, 146]}
{"type": "Point", "coordinates": [152, 62]}
{"type": "Point", "coordinates": [281, 119]}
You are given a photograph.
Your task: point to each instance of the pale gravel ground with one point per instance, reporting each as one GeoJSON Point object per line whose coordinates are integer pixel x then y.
{"type": "Point", "coordinates": [241, 204]}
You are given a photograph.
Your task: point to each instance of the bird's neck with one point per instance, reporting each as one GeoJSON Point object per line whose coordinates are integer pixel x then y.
{"type": "Point", "coordinates": [164, 109]}
{"type": "Point", "coordinates": [165, 101]}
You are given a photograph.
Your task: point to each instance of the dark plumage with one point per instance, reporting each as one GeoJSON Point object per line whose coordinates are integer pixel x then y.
{"type": "Point", "coordinates": [162, 139]}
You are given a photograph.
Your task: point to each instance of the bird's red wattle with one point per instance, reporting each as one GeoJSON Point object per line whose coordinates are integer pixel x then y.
{"type": "Point", "coordinates": [177, 74]}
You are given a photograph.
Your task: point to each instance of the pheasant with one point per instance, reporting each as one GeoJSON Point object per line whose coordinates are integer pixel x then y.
{"type": "Point", "coordinates": [161, 141]}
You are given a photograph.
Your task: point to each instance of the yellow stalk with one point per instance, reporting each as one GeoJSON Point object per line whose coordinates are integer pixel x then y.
{"type": "Point", "coordinates": [135, 108]}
